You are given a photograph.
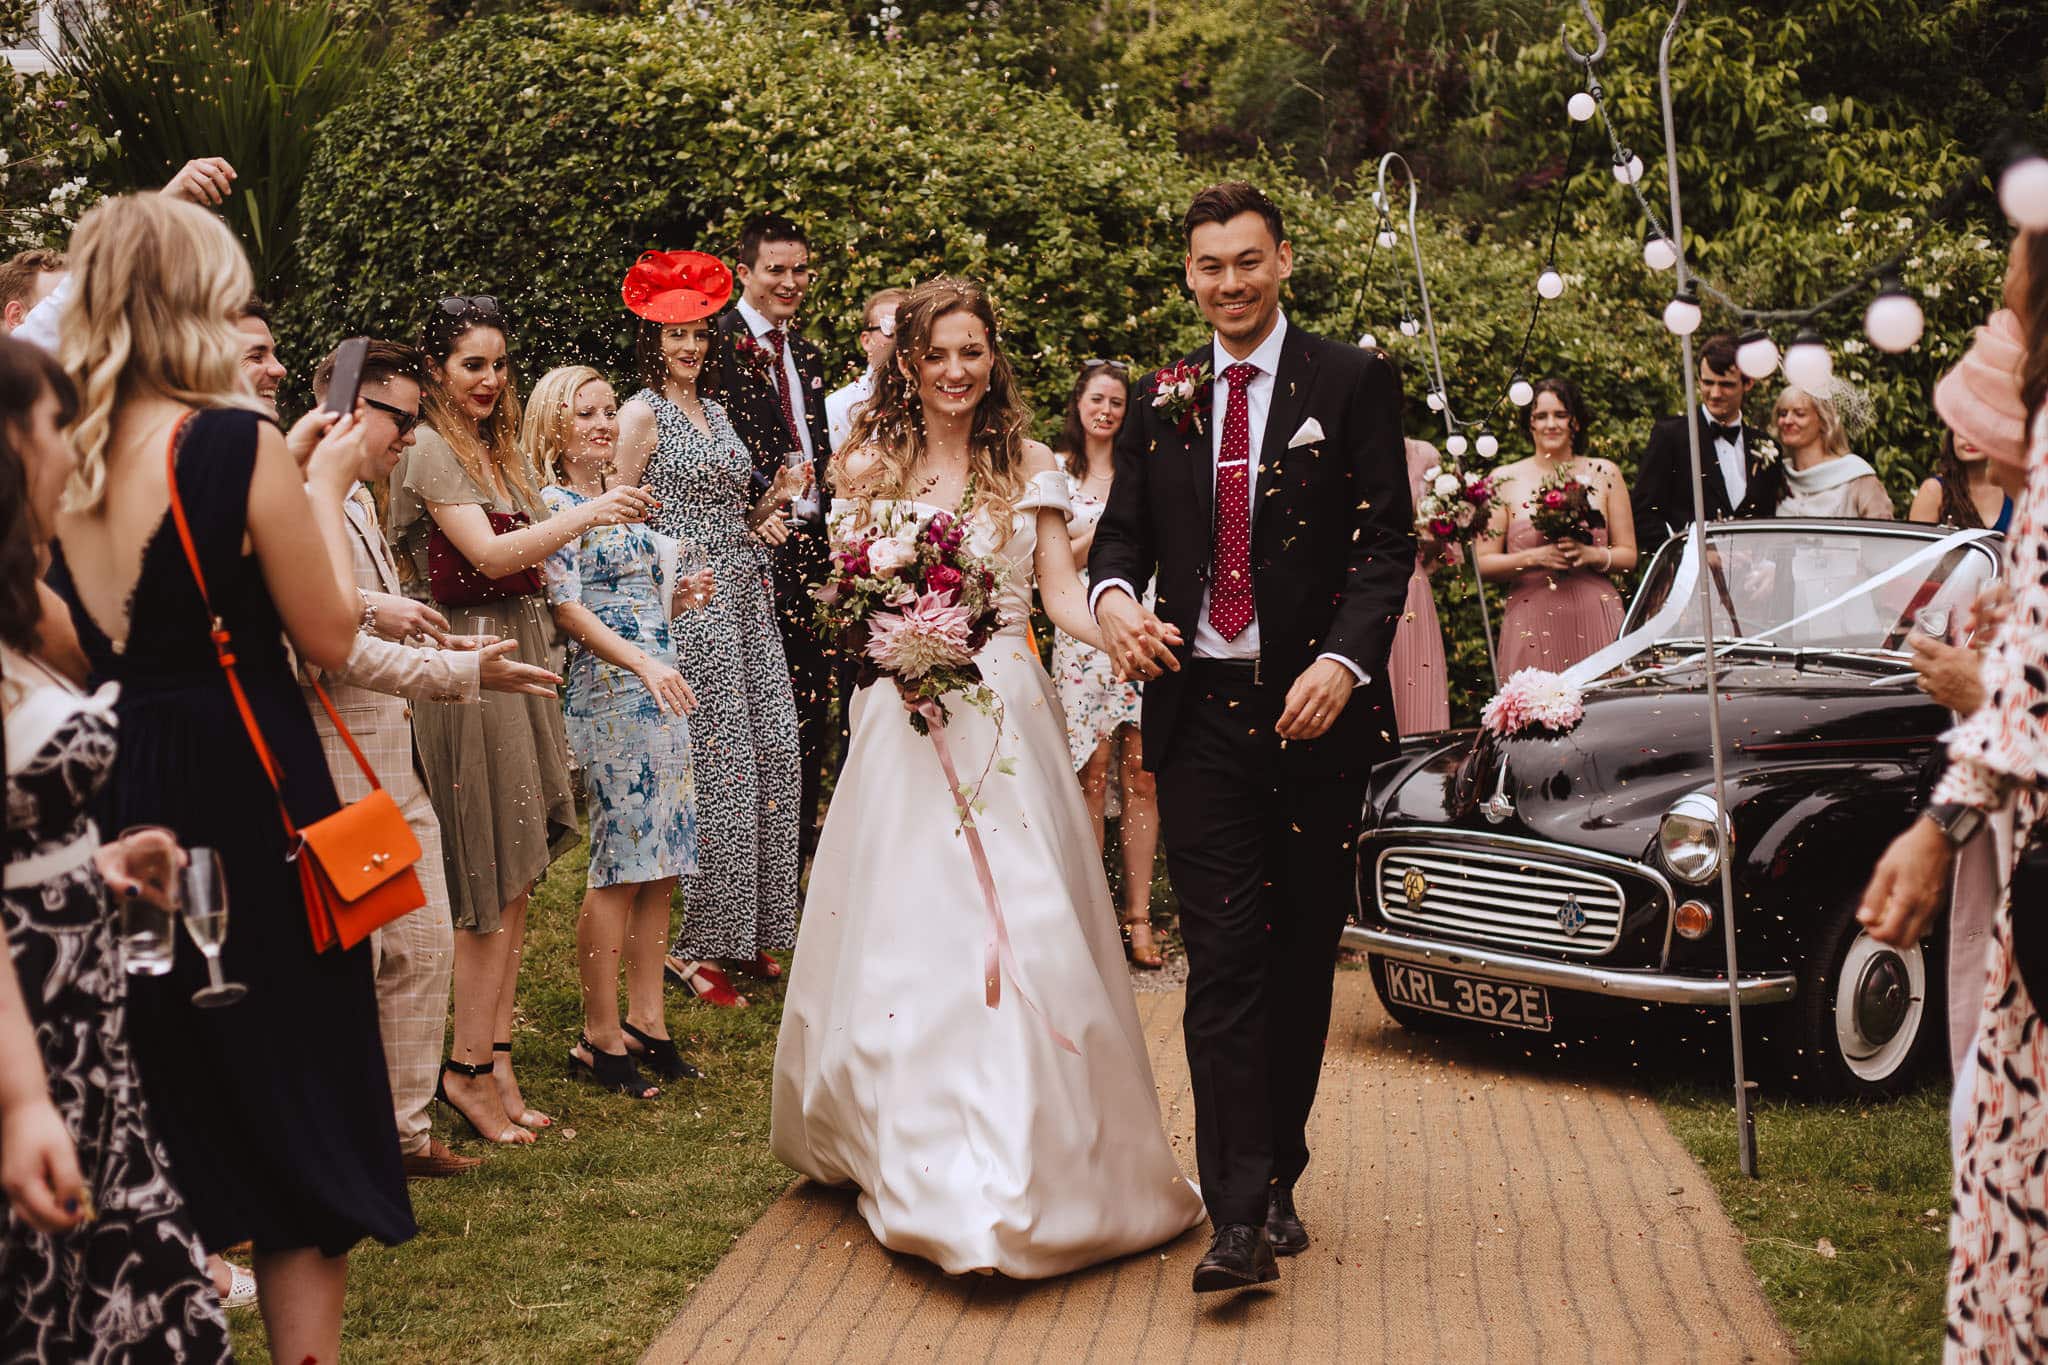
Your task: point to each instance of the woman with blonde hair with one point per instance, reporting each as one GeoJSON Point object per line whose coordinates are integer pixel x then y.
{"type": "Point", "coordinates": [472, 533]}
{"type": "Point", "coordinates": [1821, 477]}
{"type": "Point", "coordinates": [614, 590]}
{"type": "Point", "coordinates": [275, 1110]}
{"type": "Point", "coordinates": [883, 1071]}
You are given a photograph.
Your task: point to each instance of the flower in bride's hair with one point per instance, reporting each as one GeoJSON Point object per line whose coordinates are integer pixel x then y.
{"type": "Point", "coordinates": [933, 632]}
{"type": "Point", "coordinates": [891, 554]}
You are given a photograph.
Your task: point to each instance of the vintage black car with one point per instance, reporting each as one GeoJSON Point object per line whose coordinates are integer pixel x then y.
{"type": "Point", "coordinates": [1514, 882]}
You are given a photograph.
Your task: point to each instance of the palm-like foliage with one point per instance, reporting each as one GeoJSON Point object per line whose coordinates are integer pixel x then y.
{"type": "Point", "coordinates": [248, 80]}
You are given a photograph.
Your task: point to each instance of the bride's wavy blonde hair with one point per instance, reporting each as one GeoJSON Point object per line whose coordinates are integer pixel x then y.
{"type": "Point", "coordinates": [160, 285]}
{"type": "Point", "coordinates": [892, 426]}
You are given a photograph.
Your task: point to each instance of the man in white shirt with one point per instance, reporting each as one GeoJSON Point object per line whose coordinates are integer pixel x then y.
{"type": "Point", "coordinates": [878, 341]}
{"type": "Point", "coordinates": [26, 279]}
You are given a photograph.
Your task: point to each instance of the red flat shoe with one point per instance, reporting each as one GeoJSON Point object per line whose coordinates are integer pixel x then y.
{"type": "Point", "coordinates": [763, 966]}
{"type": "Point", "coordinates": [704, 981]}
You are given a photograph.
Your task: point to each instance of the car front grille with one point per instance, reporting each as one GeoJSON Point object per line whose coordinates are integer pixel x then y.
{"type": "Point", "coordinates": [1501, 896]}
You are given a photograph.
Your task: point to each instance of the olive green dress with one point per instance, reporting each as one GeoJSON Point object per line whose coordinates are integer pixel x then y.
{"type": "Point", "coordinates": [497, 770]}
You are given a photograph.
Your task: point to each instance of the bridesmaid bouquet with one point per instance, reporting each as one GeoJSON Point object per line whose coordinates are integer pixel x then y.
{"type": "Point", "coordinates": [1453, 509]}
{"type": "Point", "coordinates": [908, 602]}
{"type": "Point", "coordinates": [1563, 507]}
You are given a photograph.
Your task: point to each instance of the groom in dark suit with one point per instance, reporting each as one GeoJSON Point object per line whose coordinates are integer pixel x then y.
{"type": "Point", "coordinates": [1272, 509]}
{"type": "Point", "coordinates": [1737, 461]}
{"type": "Point", "coordinates": [775, 396]}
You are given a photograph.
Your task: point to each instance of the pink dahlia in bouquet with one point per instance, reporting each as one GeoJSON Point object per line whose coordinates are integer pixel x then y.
{"type": "Point", "coordinates": [1453, 504]}
{"type": "Point", "coordinates": [907, 601]}
{"type": "Point", "coordinates": [1534, 700]}
{"type": "Point", "coordinates": [1565, 508]}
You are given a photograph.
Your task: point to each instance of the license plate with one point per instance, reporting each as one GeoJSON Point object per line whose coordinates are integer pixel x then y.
{"type": "Point", "coordinates": [1503, 1004]}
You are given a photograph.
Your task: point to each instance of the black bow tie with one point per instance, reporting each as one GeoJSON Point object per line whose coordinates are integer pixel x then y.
{"type": "Point", "coordinates": [1717, 432]}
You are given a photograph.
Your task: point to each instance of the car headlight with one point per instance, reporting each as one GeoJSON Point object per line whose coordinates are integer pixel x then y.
{"type": "Point", "coordinates": [1692, 837]}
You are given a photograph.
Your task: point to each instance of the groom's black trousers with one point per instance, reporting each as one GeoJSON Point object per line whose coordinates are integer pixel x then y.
{"type": "Point", "coordinates": [1261, 862]}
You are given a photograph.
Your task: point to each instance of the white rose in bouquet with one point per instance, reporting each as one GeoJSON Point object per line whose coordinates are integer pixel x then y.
{"type": "Point", "coordinates": [1446, 485]}
{"type": "Point", "coordinates": [891, 554]}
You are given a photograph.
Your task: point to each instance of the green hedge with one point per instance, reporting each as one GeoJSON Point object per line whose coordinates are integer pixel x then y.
{"type": "Point", "coordinates": [534, 158]}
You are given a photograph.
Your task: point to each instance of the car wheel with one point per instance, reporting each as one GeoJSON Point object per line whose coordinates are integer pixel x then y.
{"type": "Point", "coordinates": [1407, 1016]}
{"type": "Point", "coordinates": [1867, 1013]}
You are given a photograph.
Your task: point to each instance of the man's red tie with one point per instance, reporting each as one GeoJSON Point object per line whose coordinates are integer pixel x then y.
{"type": "Point", "coordinates": [782, 386]}
{"type": "Point", "coordinates": [1230, 591]}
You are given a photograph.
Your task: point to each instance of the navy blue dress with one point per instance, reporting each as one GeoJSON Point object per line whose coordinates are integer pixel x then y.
{"type": "Point", "coordinates": [276, 1110]}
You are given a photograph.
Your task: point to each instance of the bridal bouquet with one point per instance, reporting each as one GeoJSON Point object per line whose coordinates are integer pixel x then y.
{"type": "Point", "coordinates": [910, 603]}
{"type": "Point", "coordinates": [1453, 509]}
{"type": "Point", "coordinates": [1563, 507]}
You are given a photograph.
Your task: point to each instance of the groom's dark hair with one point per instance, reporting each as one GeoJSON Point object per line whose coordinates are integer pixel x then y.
{"type": "Point", "coordinates": [1221, 203]}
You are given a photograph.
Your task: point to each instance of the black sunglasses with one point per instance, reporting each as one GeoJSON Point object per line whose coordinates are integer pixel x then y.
{"type": "Point", "coordinates": [403, 420]}
{"type": "Point", "coordinates": [482, 305]}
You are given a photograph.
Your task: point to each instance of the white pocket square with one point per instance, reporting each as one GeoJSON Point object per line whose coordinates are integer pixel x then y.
{"type": "Point", "coordinates": [1311, 432]}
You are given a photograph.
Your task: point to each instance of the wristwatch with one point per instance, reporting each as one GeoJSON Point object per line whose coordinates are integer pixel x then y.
{"type": "Point", "coordinates": [1957, 822]}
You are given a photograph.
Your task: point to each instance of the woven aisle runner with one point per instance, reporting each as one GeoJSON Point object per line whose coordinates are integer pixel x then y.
{"type": "Point", "coordinates": [1460, 1214]}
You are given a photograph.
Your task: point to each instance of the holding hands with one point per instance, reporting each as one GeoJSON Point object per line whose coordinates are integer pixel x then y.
{"type": "Point", "coordinates": [1138, 643]}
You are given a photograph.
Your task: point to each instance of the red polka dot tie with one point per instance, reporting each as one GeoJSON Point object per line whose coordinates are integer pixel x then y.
{"type": "Point", "coordinates": [1230, 594]}
{"type": "Point", "coordinates": [782, 386]}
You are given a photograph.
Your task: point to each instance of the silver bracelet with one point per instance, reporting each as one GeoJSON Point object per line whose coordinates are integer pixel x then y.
{"type": "Point", "coordinates": [368, 625]}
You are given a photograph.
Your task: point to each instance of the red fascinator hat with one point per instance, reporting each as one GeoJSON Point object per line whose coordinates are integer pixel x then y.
{"type": "Point", "coordinates": [676, 286]}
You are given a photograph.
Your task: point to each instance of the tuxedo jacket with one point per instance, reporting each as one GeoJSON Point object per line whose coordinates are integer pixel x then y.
{"type": "Point", "coordinates": [1333, 540]}
{"type": "Point", "coordinates": [756, 413]}
{"type": "Point", "coordinates": [1662, 495]}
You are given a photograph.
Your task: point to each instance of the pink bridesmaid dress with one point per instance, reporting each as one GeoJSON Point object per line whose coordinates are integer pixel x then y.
{"type": "Point", "coordinates": [1554, 619]}
{"type": "Point", "coordinates": [1416, 670]}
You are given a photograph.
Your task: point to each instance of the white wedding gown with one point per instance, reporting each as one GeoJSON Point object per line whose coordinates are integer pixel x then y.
{"type": "Point", "coordinates": [977, 1142]}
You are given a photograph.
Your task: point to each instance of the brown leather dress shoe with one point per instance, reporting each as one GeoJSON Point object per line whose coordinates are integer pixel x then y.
{"type": "Point", "coordinates": [437, 1161]}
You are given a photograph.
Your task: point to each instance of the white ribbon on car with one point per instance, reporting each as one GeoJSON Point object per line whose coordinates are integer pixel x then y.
{"type": "Point", "coordinates": [1675, 603]}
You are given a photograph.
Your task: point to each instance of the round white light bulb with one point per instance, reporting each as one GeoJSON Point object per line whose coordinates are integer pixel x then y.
{"type": "Point", "coordinates": [1894, 321]}
{"type": "Point", "coordinates": [1682, 316]}
{"type": "Point", "coordinates": [1808, 364]}
{"type": "Point", "coordinates": [1368, 342]}
{"type": "Point", "coordinates": [1629, 171]}
{"type": "Point", "coordinates": [1409, 327]}
{"type": "Point", "coordinates": [1521, 393]}
{"type": "Point", "coordinates": [1457, 445]}
{"type": "Point", "coordinates": [1580, 107]}
{"type": "Point", "coordinates": [1550, 284]}
{"type": "Point", "coordinates": [1489, 446]}
{"type": "Point", "coordinates": [2023, 193]}
{"type": "Point", "coordinates": [1387, 237]}
{"type": "Point", "coordinates": [1435, 401]}
{"type": "Point", "coordinates": [1757, 356]}
{"type": "Point", "coordinates": [1658, 253]}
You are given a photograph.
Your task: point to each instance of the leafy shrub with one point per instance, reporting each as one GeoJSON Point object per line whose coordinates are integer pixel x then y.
{"type": "Point", "coordinates": [48, 149]}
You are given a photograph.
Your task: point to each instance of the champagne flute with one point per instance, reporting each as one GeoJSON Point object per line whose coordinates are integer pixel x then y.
{"type": "Point", "coordinates": [147, 920]}
{"type": "Point", "coordinates": [480, 626]}
{"type": "Point", "coordinates": [693, 570]}
{"type": "Point", "coordinates": [206, 920]}
{"type": "Point", "coordinates": [1932, 621]}
{"type": "Point", "coordinates": [801, 463]}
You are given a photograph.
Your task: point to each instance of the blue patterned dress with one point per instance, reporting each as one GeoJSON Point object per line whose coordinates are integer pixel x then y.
{"type": "Point", "coordinates": [635, 757]}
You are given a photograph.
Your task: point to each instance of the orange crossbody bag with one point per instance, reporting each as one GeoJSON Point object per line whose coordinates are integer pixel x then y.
{"type": "Point", "coordinates": [356, 865]}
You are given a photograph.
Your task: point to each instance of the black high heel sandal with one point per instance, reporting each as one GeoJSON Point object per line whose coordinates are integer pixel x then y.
{"type": "Point", "coordinates": [662, 1055]}
{"type": "Point", "coordinates": [613, 1071]}
{"type": "Point", "coordinates": [465, 1069]}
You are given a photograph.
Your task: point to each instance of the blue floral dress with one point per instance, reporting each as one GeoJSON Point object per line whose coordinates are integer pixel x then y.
{"type": "Point", "coordinates": [635, 757]}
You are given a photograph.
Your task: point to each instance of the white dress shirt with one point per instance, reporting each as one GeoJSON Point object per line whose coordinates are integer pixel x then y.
{"type": "Point", "coordinates": [1258, 394]}
{"type": "Point", "coordinates": [39, 328]}
{"type": "Point", "coordinates": [1732, 457]}
{"type": "Point", "coordinates": [805, 504]}
{"type": "Point", "coordinates": [843, 405]}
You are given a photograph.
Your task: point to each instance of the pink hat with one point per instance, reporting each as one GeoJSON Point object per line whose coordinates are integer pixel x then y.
{"type": "Point", "coordinates": [1980, 397]}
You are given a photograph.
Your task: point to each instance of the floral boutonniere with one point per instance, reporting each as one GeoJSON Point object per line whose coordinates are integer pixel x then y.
{"type": "Point", "coordinates": [1764, 454]}
{"type": "Point", "coordinates": [750, 349]}
{"type": "Point", "coordinates": [1180, 390]}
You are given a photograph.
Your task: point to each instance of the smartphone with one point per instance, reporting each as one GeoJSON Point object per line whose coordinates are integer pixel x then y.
{"type": "Point", "coordinates": [348, 376]}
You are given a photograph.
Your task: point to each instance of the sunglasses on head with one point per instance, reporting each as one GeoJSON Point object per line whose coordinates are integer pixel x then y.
{"type": "Point", "coordinates": [1101, 364]}
{"type": "Point", "coordinates": [400, 418]}
{"type": "Point", "coordinates": [483, 305]}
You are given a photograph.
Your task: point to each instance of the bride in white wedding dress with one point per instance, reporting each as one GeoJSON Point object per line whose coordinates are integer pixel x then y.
{"type": "Point", "coordinates": [976, 1139]}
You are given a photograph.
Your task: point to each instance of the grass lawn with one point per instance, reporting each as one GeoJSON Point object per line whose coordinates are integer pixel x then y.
{"type": "Point", "coordinates": [1869, 1181]}
{"type": "Point", "coordinates": [582, 1247]}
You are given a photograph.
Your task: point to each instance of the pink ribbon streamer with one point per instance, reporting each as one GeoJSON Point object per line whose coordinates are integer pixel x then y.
{"type": "Point", "coordinates": [997, 956]}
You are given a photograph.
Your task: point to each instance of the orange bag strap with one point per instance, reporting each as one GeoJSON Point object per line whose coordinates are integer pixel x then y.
{"type": "Point", "coordinates": [224, 651]}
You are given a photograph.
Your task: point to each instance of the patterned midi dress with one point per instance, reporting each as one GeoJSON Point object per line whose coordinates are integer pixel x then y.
{"type": "Point", "coordinates": [1095, 703]}
{"type": "Point", "coordinates": [742, 898]}
{"type": "Point", "coordinates": [131, 1283]}
{"type": "Point", "coordinates": [634, 755]}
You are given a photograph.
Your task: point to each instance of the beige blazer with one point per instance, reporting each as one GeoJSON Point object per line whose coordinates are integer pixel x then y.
{"type": "Point", "coordinates": [374, 690]}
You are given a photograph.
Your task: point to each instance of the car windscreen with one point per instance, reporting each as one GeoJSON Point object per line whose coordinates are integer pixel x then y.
{"type": "Point", "coordinates": [1816, 588]}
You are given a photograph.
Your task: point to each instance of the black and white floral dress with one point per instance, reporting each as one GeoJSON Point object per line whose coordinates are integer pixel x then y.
{"type": "Point", "coordinates": [131, 1284]}
{"type": "Point", "coordinates": [743, 738]}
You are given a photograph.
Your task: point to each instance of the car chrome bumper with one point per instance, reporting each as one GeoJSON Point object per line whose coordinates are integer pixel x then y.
{"type": "Point", "coordinates": [1620, 983]}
